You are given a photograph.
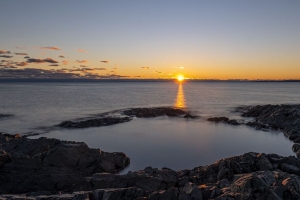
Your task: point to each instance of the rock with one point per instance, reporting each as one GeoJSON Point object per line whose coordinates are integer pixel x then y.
{"type": "Point", "coordinates": [190, 116]}
{"type": "Point", "coordinates": [263, 163]}
{"type": "Point", "coordinates": [53, 169]}
{"type": "Point", "coordinates": [233, 122]}
{"type": "Point", "coordinates": [49, 164]}
{"type": "Point", "coordinates": [296, 147]}
{"type": "Point", "coordinates": [106, 121]}
{"type": "Point", "coordinates": [4, 158]}
{"type": "Point", "coordinates": [218, 119]}
{"type": "Point", "coordinates": [153, 112]}
{"type": "Point", "coordinates": [169, 194]}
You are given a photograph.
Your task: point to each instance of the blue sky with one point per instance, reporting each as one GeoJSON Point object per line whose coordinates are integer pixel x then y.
{"type": "Point", "coordinates": [200, 39]}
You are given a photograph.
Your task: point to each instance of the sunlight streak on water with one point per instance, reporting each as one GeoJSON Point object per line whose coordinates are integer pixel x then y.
{"type": "Point", "coordinates": [180, 100]}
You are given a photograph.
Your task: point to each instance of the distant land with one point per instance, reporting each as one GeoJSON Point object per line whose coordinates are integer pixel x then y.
{"type": "Point", "coordinates": [10, 80]}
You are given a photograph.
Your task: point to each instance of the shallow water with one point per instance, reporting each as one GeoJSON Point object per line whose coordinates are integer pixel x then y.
{"type": "Point", "coordinates": [176, 143]}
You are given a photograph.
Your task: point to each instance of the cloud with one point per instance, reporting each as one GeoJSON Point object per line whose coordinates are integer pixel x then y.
{"type": "Point", "coordinates": [21, 54]}
{"type": "Point", "coordinates": [8, 67]}
{"type": "Point", "coordinates": [145, 67]}
{"type": "Point", "coordinates": [181, 67]}
{"type": "Point", "coordinates": [54, 65]}
{"type": "Point", "coordinates": [4, 52]}
{"type": "Point", "coordinates": [46, 60]}
{"type": "Point", "coordinates": [100, 68]}
{"type": "Point", "coordinates": [6, 56]}
{"type": "Point", "coordinates": [61, 56]}
{"type": "Point", "coordinates": [158, 72]}
{"type": "Point", "coordinates": [82, 51]}
{"type": "Point", "coordinates": [104, 61]}
{"type": "Point", "coordinates": [22, 64]}
{"type": "Point", "coordinates": [36, 73]}
{"type": "Point", "coordinates": [65, 62]}
{"type": "Point", "coordinates": [50, 48]}
{"type": "Point", "coordinates": [21, 47]}
{"type": "Point", "coordinates": [84, 66]}
{"type": "Point", "coordinates": [26, 57]}
{"type": "Point", "coordinates": [81, 61]}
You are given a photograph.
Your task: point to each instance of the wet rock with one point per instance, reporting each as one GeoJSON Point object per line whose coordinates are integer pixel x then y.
{"type": "Point", "coordinates": [4, 158]}
{"type": "Point", "coordinates": [129, 114]}
{"type": "Point", "coordinates": [218, 119]}
{"type": "Point", "coordinates": [106, 121]}
{"type": "Point", "coordinates": [190, 116]}
{"type": "Point", "coordinates": [248, 176]}
{"type": "Point", "coordinates": [51, 165]}
{"type": "Point", "coordinates": [233, 122]}
{"type": "Point", "coordinates": [296, 147]}
{"type": "Point", "coordinates": [154, 112]}
{"type": "Point", "coordinates": [276, 117]}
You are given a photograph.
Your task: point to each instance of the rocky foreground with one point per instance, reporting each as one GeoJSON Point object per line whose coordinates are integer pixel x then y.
{"type": "Point", "coordinates": [126, 116]}
{"type": "Point", "coordinates": [31, 165]}
{"type": "Point", "coordinates": [52, 169]}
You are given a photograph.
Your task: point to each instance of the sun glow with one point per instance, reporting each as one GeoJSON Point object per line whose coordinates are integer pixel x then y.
{"type": "Point", "coordinates": [180, 77]}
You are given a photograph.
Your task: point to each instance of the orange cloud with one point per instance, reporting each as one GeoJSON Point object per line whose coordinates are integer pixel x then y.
{"type": "Point", "coordinates": [82, 51]}
{"type": "Point", "coordinates": [21, 54]}
{"type": "Point", "coordinates": [65, 62]}
{"type": "Point", "coordinates": [81, 61]}
{"type": "Point", "coordinates": [50, 48]}
{"type": "Point", "coordinates": [105, 61]}
{"type": "Point", "coordinates": [4, 52]}
{"type": "Point", "coordinates": [22, 64]}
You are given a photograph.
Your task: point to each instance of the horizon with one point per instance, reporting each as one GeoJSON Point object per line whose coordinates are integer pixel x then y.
{"type": "Point", "coordinates": [217, 40]}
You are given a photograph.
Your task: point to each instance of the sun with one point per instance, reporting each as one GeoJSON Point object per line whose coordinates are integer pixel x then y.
{"type": "Point", "coordinates": [180, 77]}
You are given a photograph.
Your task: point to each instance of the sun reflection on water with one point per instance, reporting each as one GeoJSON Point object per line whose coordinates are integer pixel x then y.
{"type": "Point", "coordinates": [180, 100]}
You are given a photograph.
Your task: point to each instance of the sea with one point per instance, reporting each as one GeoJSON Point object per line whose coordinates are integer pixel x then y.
{"type": "Point", "coordinates": [176, 143]}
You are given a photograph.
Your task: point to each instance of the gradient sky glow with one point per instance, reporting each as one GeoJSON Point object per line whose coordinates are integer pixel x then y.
{"type": "Point", "coordinates": [218, 39]}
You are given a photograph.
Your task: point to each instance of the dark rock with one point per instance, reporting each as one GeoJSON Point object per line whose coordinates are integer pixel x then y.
{"type": "Point", "coordinates": [154, 112]}
{"type": "Point", "coordinates": [276, 117]}
{"type": "Point", "coordinates": [43, 164]}
{"type": "Point", "coordinates": [296, 147]}
{"type": "Point", "coordinates": [190, 116]}
{"type": "Point", "coordinates": [218, 119]}
{"type": "Point", "coordinates": [233, 122]}
{"type": "Point", "coordinates": [107, 121]}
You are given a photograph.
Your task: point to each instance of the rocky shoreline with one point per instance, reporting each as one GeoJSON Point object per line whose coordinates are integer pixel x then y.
{"type": "Point", "coordinates": [284, 118]}
{"type": "Point", "coordinates": [52, 169]}
{"type": "Point", "coordinates": [126, 116]}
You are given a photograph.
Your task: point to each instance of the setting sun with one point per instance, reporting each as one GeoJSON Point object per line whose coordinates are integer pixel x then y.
{"type": "Point", "coordinates": [180, 77]}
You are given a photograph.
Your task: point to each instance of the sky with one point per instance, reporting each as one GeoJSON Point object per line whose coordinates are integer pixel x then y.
{"type": "Point", "coordinates": [155, 39]}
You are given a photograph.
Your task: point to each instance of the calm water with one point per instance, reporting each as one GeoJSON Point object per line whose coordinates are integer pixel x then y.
{"type": "Point", "coordinates": [176, 143]}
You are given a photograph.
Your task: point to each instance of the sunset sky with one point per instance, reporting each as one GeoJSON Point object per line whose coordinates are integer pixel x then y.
{"type": "Point", "coordinates": [218, 39]}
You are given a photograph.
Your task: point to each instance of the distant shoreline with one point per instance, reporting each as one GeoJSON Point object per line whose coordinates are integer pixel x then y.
{"type": "Point", "coordinates": [134, 80]}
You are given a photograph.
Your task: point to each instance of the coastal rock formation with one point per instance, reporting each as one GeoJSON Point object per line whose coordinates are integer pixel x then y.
{"type": "Point", "coordinates": [154, 112]}
{"type": "Point", "coordinates": [277, 117]}
{"type": "Point", "coordinates": [224, 120]}
{"type": "Point", "coordinates": [105, 121]}
{"type": "Point", "coordinates": [31, 165]}
{"type": "Point", "coordinates": [249, 176]}
{"type": "Point", "coordinates": [285, 118]}
{"type": "Point", "coordinates": [129, 114]}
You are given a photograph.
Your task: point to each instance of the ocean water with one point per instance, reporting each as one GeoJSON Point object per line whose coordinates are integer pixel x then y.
{"type": "Point", "coordinates": [176, 143]}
